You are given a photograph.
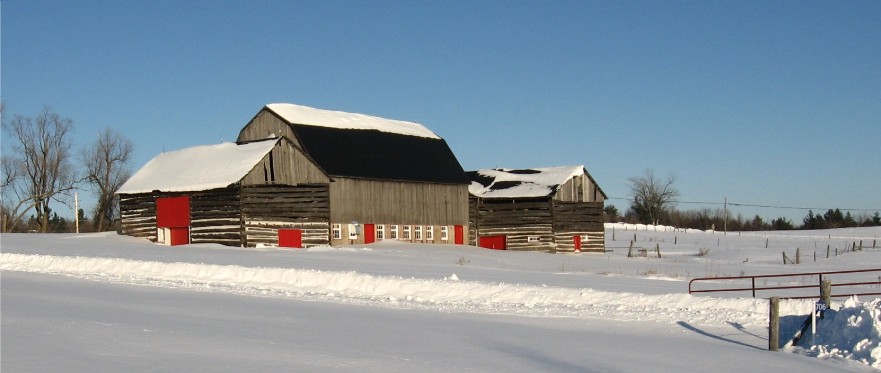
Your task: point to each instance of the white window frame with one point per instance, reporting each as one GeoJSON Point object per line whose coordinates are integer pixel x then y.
{"type": "Point", "coordinates": [393, 232]}
{"type": "Point", "coordinates": [353, 231]}
{"type": "Point", "coordinates": [417, 233]}
{"type": "Point", "coordinates": [380, 232]}
{"type": "Point", "coordinates": [532, 239]}
{"type": "Point", "coordinates": [445, 233]}
{"type": "Point", "coordinates": [406, 235]}
{"type": "Point", "coordinates": [429, 233]}
{"type": "Point", "coordinates": [337, 231]}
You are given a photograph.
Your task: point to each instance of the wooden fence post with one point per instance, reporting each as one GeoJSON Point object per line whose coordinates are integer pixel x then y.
{"type": "Point", "coordinates": [826, 292]}
{"type": "Point", "coordinates": [797, 256]}
{"type": "Point", "coordinates": [658, 249]}
{"type": "Point", "coordinates": [774, 324]}
{"type": "Point", "coordinates": [630, 251]}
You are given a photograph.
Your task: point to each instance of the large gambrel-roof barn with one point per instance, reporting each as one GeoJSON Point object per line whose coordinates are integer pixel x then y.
{"type": "Point", "coordinates": [552, 209]}
{"type": "Point", "coordinates": [330, 178]}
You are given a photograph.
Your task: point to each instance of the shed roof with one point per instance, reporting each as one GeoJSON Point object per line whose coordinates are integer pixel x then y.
{"type": "Point", "coordinates": [362, 146]}
{"type": "Point", "coordinates": [198, 168]}
{"type": "Point", "coordinates": [521, 183]}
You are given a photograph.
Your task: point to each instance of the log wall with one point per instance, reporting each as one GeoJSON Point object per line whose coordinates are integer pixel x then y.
{"type": "Point", "coordinates": [268, 208]}
{"type": "Point", "coordinates": [551, 225]}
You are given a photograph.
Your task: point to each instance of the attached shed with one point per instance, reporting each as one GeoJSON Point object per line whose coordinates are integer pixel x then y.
{"type": "Point", "coordinates": [386, 179]}
{"type": "Point", "coordinates": [227, 194]}
{"type": "Point", "coordinates": [557, 209]}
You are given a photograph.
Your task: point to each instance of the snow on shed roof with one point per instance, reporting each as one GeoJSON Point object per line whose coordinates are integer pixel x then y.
{"type": "Point", "coordinates": [508, 183]}
{"type": "Point", "coordinates": [198, 168]}
{"type": "Point", "coordinates": [297, 114]}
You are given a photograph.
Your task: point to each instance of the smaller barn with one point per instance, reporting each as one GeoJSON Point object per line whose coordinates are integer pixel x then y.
{"type": "Point", "coordinates": [224, 194]}
{"type": "Point", "coordinates": [556, 209]}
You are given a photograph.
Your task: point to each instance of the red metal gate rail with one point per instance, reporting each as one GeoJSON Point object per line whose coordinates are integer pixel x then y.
{"type": "Point", "coordinates": [753, 288]}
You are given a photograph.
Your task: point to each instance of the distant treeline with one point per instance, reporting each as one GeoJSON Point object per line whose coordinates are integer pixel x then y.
{"type": "Point", "coordinates": [706, 219]}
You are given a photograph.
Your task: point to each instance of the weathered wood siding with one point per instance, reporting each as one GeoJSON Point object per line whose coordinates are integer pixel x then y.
{"type": "Point", "coordinates": [551, 224]}
{"type": "Point", "coordinates": [579, 219]}
{"type": "Point", "coordinates": [214, 215]}
{"type": "Point", "coordinates": [579, 189]}
{"type": "Point", "coordinates": [268, 208]}
{"type": "Point", "coordinates": [137, 215]}
{"type": "Point", "coordinates": [391, 202]}
{"type": "Point", "coordinates": [266, 124]}
{"type": "Point", "coordinates": [286, 165]}
{"type": "Point", "coordinates": [517, 220]}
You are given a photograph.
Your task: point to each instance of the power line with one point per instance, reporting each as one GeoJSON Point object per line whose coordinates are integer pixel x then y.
{"type": "Point", "coordinates": [764, 206]}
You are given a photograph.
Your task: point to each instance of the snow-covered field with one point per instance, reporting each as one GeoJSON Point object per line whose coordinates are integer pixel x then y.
{"type": "Point", "coordinates": [102, 302]}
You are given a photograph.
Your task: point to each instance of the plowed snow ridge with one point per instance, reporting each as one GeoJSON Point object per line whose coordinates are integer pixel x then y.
{"type": "Point", "coordinates": [446, 294]}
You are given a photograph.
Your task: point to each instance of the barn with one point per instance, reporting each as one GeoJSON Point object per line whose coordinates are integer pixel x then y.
{"type": "Point", "coordinates": [556, 209]}
{"type": "Point", "coordinates": [315, 177]}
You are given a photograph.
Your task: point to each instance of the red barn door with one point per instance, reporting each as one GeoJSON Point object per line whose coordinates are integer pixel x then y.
{"type": "Point", "coordinates": [369, 233]}
{"type": "Point", "coordinates": [493, 242]}
{"type": "Point", "coordinates": [290, 238]}
{"type": "Point", "coordinates": [577, 240]}
{"type": "Point", "coordinates": [460, 234]}
{"type": "Point", "coordinates": [173, 214]}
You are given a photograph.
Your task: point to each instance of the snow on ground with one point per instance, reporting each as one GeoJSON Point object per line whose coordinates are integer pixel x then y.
{"type": "Point", "coordinates": [392, 306]}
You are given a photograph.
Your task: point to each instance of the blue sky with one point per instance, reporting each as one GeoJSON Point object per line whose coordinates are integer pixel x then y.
{"type": "Point", "coordinates": [763, 102]}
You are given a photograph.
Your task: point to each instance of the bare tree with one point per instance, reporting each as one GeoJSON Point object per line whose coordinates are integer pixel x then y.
{"type": "Point", "coordinates": [106, 165]}
{"type": "Point", "coordinates": [42, 157]}
{"type": "Point", "coordinates": [652, 196]}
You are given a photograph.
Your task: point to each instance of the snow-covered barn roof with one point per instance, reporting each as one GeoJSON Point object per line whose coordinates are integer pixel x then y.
{"type": "Point", "coordinates": [522, 183]}
{"type": "Point", "coordinates": [367, 147]}
{"type": "Point", "coordinates": [198, 168]}
{"type": "Point", "coordinates": [297, 114]}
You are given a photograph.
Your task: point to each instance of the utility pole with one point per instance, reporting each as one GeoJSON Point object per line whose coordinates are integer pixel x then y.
{"type": "Point", "coordinates": [725, 224]}
{"type": "Point", "coordinates": [76, 210]}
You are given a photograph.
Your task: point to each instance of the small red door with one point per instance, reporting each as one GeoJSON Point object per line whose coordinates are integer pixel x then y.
{"type": "Point", "coordinates": [179, 235]}
{"type": "Point", "coordinates": [290, 238]}
{"type": "Point", "coordinates": [577, 240]}
{"type": "Point", "coordinates": [493, 242]}
{"type": "Point", "coordinates": [460, 234]}
{"type": "Point", "coordinates": [369, 233]}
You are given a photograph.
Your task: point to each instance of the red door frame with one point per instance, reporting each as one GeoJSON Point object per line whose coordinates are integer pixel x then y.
{"type": "Point", "coordinates": [369, 233]}
{"type": "Point", "coordinates": [459, 234]}
{"type": "Point", "coordinates": [577, 241]}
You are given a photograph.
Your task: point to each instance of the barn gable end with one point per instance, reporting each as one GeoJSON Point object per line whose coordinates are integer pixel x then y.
{"type": "Point", "coordinates": [557, 209]}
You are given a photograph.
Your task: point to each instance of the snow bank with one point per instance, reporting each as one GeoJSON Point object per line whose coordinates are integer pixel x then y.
{"type": "Point", "coordinates": [852, 332]}
{"type": "Point", "coordinates": [449, 294]}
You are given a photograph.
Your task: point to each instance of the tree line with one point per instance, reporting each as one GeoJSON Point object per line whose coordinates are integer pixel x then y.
{"type": "Point", "coordinates": [43, 167]}
{"type": "Point", "coordinates": [653, 198]}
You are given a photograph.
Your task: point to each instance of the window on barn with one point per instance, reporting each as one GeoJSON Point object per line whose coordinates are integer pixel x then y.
{"type": "Point", "coordinates": [353, 232]}
{"type": "Point", "coordinates": [393, 232]}
{"type": "Point", "coordinates": [532, 239]}
{"type": "Point", "coordinates": [429, 233]}
{"type": "Point", "coordinates": [417, 233]}
{"type": "Point", "coordinates": [380, 232]}
{"type": "Point", "coordinates": [406, 232]}
{"type": "Point", "coordinates": [445, 234]}
{"type": "Point", "coordinates": [337, 230]}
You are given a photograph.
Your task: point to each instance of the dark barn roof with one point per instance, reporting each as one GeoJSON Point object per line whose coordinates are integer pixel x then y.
{"type": "Point", "coordinates": [375, 154]}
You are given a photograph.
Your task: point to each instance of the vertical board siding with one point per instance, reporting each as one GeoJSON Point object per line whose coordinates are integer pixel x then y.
{"type": "Point", "coordinates": [268, 208]}
{"type": "Point", "coordinates": [265, 124]}
{"type": "Point", "coordinates": [392, 202]}
{"type": "Point", "coordinates": [289, 165]}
